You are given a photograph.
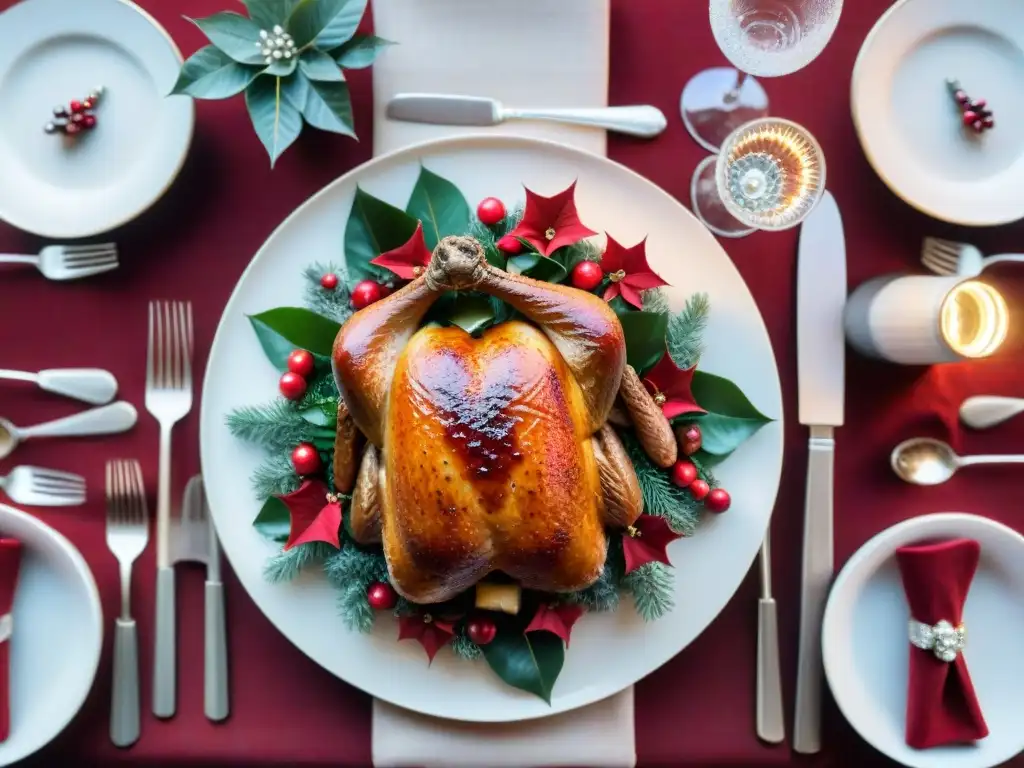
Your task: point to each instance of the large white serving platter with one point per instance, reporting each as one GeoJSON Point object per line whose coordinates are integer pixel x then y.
{"type": "Point", "coordinates": [609, 652]}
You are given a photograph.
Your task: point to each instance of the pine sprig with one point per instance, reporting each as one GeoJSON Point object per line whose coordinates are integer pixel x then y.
{"type": "Point", "coordinates": [277, 426]}
{"type": "Point", "coordinates": [275, 477]}
{"type": "Point", "coordinates": [285, 566]}
{"type": "Point", "coordinates": [603, 594]}
{"type": "Point", "coordinates": [685, 334]}
{"type": "Point", "coordinates": [352, 570]}
{"type": "Point", "coordinates": [333, 304]}
{"type": "Point", "coordinates": [488, 237]}
{"type": "Point", "coordinates": [661, 496]}
{"type": "Point", "coordinates": [463, 647]}
{"type": "Point", "coordinates": [653, 589]}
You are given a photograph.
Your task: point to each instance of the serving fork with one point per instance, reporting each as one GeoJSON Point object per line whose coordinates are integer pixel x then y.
{"type": "Point", "coordinates": [69, 262]}
{"type": "Point", "coordinates": [168, 399]}
{"type": "Point", "coordinates": [949, 257]}
{"type": "Point", "coordinates": [39, 487]}
{"type": "Point", "coordinates": [127, 536]}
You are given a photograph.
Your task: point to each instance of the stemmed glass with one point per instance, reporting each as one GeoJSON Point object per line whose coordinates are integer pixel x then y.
{"type": "Point", "coordinates": [769, 174]}
{"type": "Point", "coordinates": [766, 38]}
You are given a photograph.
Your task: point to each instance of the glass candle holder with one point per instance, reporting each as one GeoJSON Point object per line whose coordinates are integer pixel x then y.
{"type": "Point", "coordinates": [926, 319]}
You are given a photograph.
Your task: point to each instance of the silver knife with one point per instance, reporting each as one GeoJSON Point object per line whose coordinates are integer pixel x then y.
{"type": "Point", "coordinates": [444, 109]}
{"type": "Point", "coordinates": [821, 296]}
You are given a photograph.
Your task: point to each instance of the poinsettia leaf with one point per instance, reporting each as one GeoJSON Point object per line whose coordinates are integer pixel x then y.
{"type": "Point", "coordinates": [374, 227]}
{"type": "Point", "coordinates": [209, 73]}
{"type": "Point", "coordinates": [731, 418]}
{"type": "Point", "coordinates": [277, 123]}
{"type": "Point", "coordinates": [283, 330]}
{"type": "Point", "coordinates": [317, 65]}
{"type": "Point", "coordinates": [273, 520]}
{"type": "Point", "coordinates": [645, 338]}
{"type": "Point", "coordinates": [329, 107]}
{"type": "Point", "coordinates": [538, 267]}
{"type": "Point", "coordinates": [471, 313]}
{"type": "Point", "coordinates": [327, 23]}
{"type": "Point", "coordinates": [236, 35]}
{"type": "Point", "coordinates": [439, 205]}
{"type": "Point", "coordinates": [531, 662]}
{"type": "Point", "coordinates": [268, 13]}
{"type": "Point", "coordinates": [295, 89]}
{"type": "Point", "coordinates": [360, 51]}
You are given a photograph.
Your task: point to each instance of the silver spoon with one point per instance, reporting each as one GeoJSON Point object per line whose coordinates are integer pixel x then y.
{"type": "Point", "coordinates": [116, 417]}
{"type": "Point", "coordinates": [924, 461]}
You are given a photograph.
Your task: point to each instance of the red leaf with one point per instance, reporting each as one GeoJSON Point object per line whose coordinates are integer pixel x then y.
{"type": "Point", "coordinates": [645, 541]}
{"type": "Point", "coordinates": [629, 270]}
{"type": "Point", "coordinates": [432, 634]}
{"type": "Point", "coordinates": [555, 216]}
{"type": "Point", "coordinates": [557, 619]}
{"type": "Point", "coordinates": [666, 379]}
{"type": "Point", "coordinates": [313, 516]}
{"type": "Point", "coordinates": [407, 258]}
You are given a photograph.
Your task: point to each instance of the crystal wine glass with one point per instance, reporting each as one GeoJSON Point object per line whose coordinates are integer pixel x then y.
{"type": "Point", "coordinates": [766, 38]}
{"type": "Point", "coordinates": [768, 175]}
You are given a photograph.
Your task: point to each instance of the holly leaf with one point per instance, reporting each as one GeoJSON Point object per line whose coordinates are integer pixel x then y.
{"type": "Point", "coordinates": [325, 23]}
{"type": "Point", "coordinates": [374, 227]}
{"type": "Point", "coordinates": [439, 205]}
{"type": "Point", "coordinates": [557, 619]}
{"type": "Point", "coordinates": [268, 13]}
{"type": "Point", "coordinates": [329, 107]}
{"type": "Point", "coordinates": [538, 267]}
{"type": "Point", "coordinates": [273, 520]}
{"type": "Point", "coordinates": [317, 65]}
{"type": "Point", "coordinates": [646, 540]}
{"type": "Point", "coordinates": [235, 34]}
{"type": "Point", "coordinates": [645, 338]}
{"type": "Point", "coordinates": [730, 420]}
{"type": "Point", "coordinates": [283, 330]}
{"type": "Point", "coordinates": [209, 73]}
{"type": "Point", "coordinates": [276, 121]}
{"type": "Point", "coordinates": [531, 662]}
{"type": "Point", "coordinates": [471, 313]}
{"type": "Point", "coordinates": [360, 51]}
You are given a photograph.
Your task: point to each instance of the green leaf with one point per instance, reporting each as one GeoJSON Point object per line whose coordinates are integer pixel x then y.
{"type": "Point", "coordinates": [283, 330]}
{"type": "Point", "coordinates": [360, 51]}
{"type": "Point", "coordinates": [538, 267]}
{"type": "Point", "coordinates": [471, 313]}
{"type": "Point", "coordinates": [531, 662]}
{"type": "Point", "coordinates": [317, 65]}
{"type": "Point", "coordinates": [730, 420]}
{"type": "Point", "coordinates": [267, 13]}
{"type": "Point", "coordinates": [234, 34]}
{"type": "Point", "coordinates": [273, 520]}
{"type": "Point", "coordinates": [645, 338]}
{"type": "Point", "coordinates": [326, 23]}
{"type": "Point", "coordinates": [277, 122]}
{"type": "Point", "coordinates": [209, 73]}
{"type": "Point", "coordinates": [282, 67]}
{"type": "Point", "coordinates": [373, 228]}
{"type": "Point", "coordinates": [295, 89]}
{"type": "Point", "coordinates": [439, 205]}
{"type": "Point", "coordinates": [329, 108]}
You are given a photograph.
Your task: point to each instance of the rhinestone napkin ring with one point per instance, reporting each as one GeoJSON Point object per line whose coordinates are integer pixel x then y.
{"type": "Point", "coordinates": [943, 639]}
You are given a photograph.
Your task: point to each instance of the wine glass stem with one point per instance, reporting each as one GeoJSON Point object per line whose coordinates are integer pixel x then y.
{"type": "Point", "coordinates": [732, 95]}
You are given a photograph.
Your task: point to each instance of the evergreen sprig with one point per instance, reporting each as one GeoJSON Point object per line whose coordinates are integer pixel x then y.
{"type": "Point", "coordinates": [352, 570]}
{"type": "Point", "coordinates": [685, 335]}
{"type": "Point", "coordinates": [603, 594]}
{"type": "Point", "coordinates": [661, 496]}
{"type": "Point", "coordinates": [462, 646]}
{"type": "Point", "coordinates": [275, 477]}
{"type": "Point", "coordinates": [329, 303]}
{"type": "Point", "coordinates": [653, 589]}
{"type": "Point", "coordinates": [285, 566]}
{"type": "Point", "coordinates": [277, 426]}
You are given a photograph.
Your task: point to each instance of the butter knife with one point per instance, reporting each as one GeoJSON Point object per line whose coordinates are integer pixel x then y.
{"type": "Point", "coordinates": [443, 109]}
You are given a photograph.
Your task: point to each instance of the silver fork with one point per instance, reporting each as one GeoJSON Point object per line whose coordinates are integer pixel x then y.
{"type": "Point", "coordinates": [168, 399]}
{"type": "Point", "coordinates": [69, 262]}
{"type": "Point", "coordinates": [949, 257]}
{"type": "Point", "coordinates": [127, 536]}
{"type": "Point", "coordinates": [40, 487]}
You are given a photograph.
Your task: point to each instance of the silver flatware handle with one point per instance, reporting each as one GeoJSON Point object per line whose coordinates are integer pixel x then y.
{"type": "Point", "coordinates": [816, 575]}
{"type": "Point", "coordinates": [10, 258]}
{"type": "Point", "coordinates": [770, 722]}
{"type": "Point", "coordinates": [215, 667]}
{"type": "Point", "coordinates": [90, 385]}
{"type": "Point", "coordinates": [105, 420]}
{"type": "Point", "coordinates": [124, 702]}
{"type": "Point", "coordinates": [164, 659]}
{"type": "Point", "coordinates": [644, 121]}
{"type": "Point", "coordinates": [983, 411]}
{"type": "Point", "coordinates": [1002, 258]}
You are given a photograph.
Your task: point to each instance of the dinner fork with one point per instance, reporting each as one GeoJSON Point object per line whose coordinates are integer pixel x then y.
{"type": "Point", "coordinates": [168, 399]}
{"type": "Point", "coordinates": [127, 536]}
{"type": "Point", "coordinates": [69, 262]}
{"type": "Point", "coordinates": [39, 487]}
{"type": "Point", "coordinates": [948, 257]}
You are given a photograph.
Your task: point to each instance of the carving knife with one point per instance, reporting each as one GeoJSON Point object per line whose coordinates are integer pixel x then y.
{"type": "Point", "coordinates": [444, 109]}
{"type": "Point", "coordinates": [821, 296]}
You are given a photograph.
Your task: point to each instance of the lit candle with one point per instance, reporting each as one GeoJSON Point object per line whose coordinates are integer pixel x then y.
{"type": "Point", "coordinates": [974, 319]}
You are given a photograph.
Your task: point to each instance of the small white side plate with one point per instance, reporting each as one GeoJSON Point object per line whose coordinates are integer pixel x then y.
{"type": "Point", "coordinates": [866, 651]}
{"type": "Point", "coordinates": [908, 124]}
{"type": "Point", "coordinates": [55, 51]}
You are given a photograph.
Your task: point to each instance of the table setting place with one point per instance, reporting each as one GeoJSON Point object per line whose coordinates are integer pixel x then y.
{"type": "Point", "coordinates": [466, 383]}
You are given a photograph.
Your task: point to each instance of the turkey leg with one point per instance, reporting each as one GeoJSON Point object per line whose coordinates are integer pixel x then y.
{"type": "Point", "coordinates": [623, 500]}
{"type": "Point", "coordinates": [364, 519]}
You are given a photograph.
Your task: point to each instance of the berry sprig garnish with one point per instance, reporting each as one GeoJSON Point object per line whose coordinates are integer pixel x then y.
{"type": "Point", "coordinates": [76, 117]}
{"type": "Point", "coordinates": [974, 113]}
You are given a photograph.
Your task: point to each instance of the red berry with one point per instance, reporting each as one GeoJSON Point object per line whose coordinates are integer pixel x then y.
{"type": "Point", "coordinates": [365, 293]}
{"type": "Point", "coordinates": [587, 275]}
{"type": "Point", "coordinates": [510, 245]}
{"type": "Point", "coordinates": [978, 104]}
{"type": "Point", "coordinates": [72, 128]}
{"type": "Point", "coordinates": [75, 106]}
{"type": "Point", "coordinates": [989, 123]}
{"type": "Point", "coordinates": [301, 362]}
{"type": "Point", "coordinates": [306, 460]}
{"type": "Point", "coordinates": [699, 488]}
{"type": "Point", "coordinates": [978, 126]}
{"type": "Point", "coordinates": [89, 121]}
{"type": "Point", "coordinates": [689, 439]}
{"type": "Point", "coordinates": [490, 211]}
{"type": "Point", "coordinates": [969, 117]}
{"type": "Point", "coordinates": [684, 473]}
{"type": "Point", "coordinates": [381, 596]}
{"type": "Point", "coordinates": [717, 500]}
{"type": "Point", "coordinates": [961, 97]}
{"type": "Point", "coordinates": [481, 630]}
{"type": "Point", "coordinates": [77, 117]}
{"type": "Point", "coordinates": [329, 281]}
{"type": "Point", "coordinates": [88, 104]}
{"type": "Point", "coordinates": [292, 385]}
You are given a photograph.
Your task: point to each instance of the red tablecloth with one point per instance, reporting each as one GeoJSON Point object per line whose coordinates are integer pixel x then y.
{"type": "Point", "coordinates": [698, 709]}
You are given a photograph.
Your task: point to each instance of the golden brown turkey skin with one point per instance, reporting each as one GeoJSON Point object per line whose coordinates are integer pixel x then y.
{"type": "Point", "coordinates": [488, 466]}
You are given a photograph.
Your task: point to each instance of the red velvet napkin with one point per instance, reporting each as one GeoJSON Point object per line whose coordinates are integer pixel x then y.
{"type": "Point", "coordinates": [941, 705]}
{"type": "Point", "coordinates": [10, 561]}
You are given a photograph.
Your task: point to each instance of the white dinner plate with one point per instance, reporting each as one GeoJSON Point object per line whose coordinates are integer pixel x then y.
{"type": "Point", "coordinates": [909, 125]}
{"type": "Point", "coordinates": [55, 51]}
{"type": "Point", "coordinates": [609, 652]}
{"type": "Point", "coordinates": [56, 639]}
{"type": "Point", "coordinates": [865, 647]}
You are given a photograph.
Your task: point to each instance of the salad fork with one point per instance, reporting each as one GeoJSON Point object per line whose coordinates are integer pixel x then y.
{"type": "Point", "coordinates": [127, 536]}
{"type": "Point", "coordinates": [39, 487]}
{"type": "Point", "coordinates": [948, 258]}
{"type": "Point", "coordinates": [69, 262]}
{"type": "Point", "coordinates": [168, 399]}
